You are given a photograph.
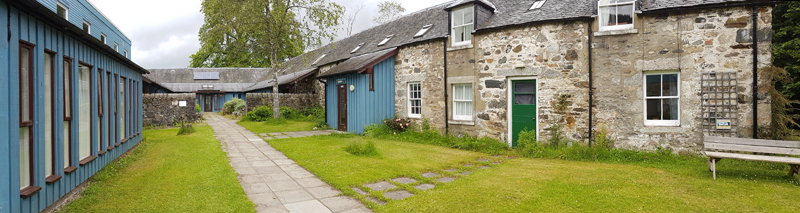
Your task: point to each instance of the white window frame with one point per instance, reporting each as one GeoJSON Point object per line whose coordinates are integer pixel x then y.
{"type": "Point", "coordinates": [602, 20]}
{"type": "Point", "coordinates": [126, 53]}
{"type": "Point", "coordinates": [424, 30]}
{"type": "Point", "coordinates": [410, 100]}
{"type": "Point", "coordinates": [88, 28]}
{"type": "Point", "coordinates": [66, 10]}
{"type": "Point", "coordinates": [319, 59]}
{"type": "Point", "coordinates": [456, 99]}
{"type": "Point", "coordinates": [453, 27]}
{"type": "Point", "coordinates": [385, 40]}
{"type": "Point", "coordinates": [645, 98]}
{"type": "Point", "coordinates": [103, 38]}
{"type": "Point", "coordinates": [116, 47]}
{"type": "Point", "coordinates": [537, 4]}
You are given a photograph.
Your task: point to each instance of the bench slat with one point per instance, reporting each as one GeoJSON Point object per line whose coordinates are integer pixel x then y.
{"type": "Point", "coordinates": [753, 142]}
{"type": "Point", "coordinates": [750, 148]}
{"type": "Point", "coordinates": [765, 158]}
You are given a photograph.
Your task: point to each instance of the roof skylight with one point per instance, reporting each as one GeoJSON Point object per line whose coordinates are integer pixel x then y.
{"type": "Point", "coordinates": [423, 30]}
{"type": "Point", "coordinates": [319, 59]}
{"type": "Point", "coordinates": [389, 37]}
{"type": "Point", "coordinates": [537, 4]}
{"type": "Point", "coordinates": [357, 47]}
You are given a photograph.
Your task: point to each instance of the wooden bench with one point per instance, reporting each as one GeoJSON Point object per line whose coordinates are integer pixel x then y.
{"type": "Point", "coordinates": [717, 148]}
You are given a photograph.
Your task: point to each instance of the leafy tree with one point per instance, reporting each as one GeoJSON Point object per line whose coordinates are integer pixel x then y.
{"type": "Point", "coordinates": [388, 10]}
{"type": "Point", "coordinates": [351, 19]}
{"type": "Point", "coordinates": [786, 55]}
{"type": "Point", "coordinates": [259, 33]}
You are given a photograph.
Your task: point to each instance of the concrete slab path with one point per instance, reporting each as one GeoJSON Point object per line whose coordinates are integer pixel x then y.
{"type": "Point", "coordinates": [271, 180]}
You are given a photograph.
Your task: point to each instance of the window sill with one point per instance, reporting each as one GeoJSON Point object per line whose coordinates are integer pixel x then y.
{"type": "Point", "coordinates": [460, 122]}
{"type": "Point", "coordinates": [70, 169]}
{"type": "Point", "coordinates": [110, 148]}
{"type": "Point", "coordinates": [124, 140]}
{"type": "Point", "coordinates": [657, 129]}
{"type": "Point", "coordinates": [29, 191]}
{"type": "Point", "coordinates": [459, 47]}
{"type": "Point", "coordinates": [415, 116]}
{"type": "Point", "coordinates": [116, 144]}
{"type": "Point", "coordinates": [101, 152]}
{"type": "Point", "coordinates": [52, 179]}
{"type": "Point", "coordinates": [616, 32]}
{"type": "Point", "coordinates": [87, 160]}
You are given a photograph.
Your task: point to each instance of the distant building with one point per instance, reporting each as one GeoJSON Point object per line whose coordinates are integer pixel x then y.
{"type": "Point", "coordinates": [73, 99]}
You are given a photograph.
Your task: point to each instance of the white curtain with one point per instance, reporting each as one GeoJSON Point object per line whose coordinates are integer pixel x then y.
{"type": "Point", "coordinates": [67, 111]}
{"type": "Point", "coordinates": [85, 107]}
{"type": "Point", "coordinates": [24, 158]}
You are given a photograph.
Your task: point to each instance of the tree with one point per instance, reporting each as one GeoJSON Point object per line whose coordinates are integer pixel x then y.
{"type": "Point", "coordinates": [387, 11]}
{"type": "Point", "coordinates": [786, 55]}
{"type": "Point", "coordinates": [351, 19]}
{"type": "Point", "coordinates": [260, 33]}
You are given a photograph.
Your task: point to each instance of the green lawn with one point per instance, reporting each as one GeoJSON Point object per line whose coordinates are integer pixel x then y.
{"type": "Point", "coordinates": [547, 185]}
{"type": "Point", "coordinates": [281, 126]}
{"type": "Point", "coordinates": [167, 173]}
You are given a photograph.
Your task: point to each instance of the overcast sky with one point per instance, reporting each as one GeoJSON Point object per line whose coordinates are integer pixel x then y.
{"type": "Point", "coordinates": [164, 32]}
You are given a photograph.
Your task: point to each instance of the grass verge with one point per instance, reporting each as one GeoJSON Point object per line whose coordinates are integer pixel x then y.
{"type": "Point", "coordinates": [277, 125]}
{"type": "Point", "coordinates": [167, 173]}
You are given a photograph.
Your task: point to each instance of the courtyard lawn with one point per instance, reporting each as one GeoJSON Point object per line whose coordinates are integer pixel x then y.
{"type": "Point", "coordinates": [545, 185]}
{"type": "Point", "coordinates": [281, 125]}
{"type": "Point", "coordinates": [167, 173]}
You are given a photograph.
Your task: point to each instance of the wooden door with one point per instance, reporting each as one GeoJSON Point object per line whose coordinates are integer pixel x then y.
{"type": "Point", "coordinates": [342, 107]}
{"type": "Point", "coordinates": [208, 105]}
{"type": "Point", "coordinates": [523, 108]}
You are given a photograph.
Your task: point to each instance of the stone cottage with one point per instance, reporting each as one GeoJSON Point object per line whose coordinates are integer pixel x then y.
{"type": "Point", "coordinates": [661, 73]}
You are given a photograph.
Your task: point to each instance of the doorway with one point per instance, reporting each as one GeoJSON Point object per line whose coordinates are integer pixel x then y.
{"type": "Point", "coordinates": [342, 107]}
{"type": "Point", "coordinates": [208, 103]}
{"type": "Point", "coordinates": [522, 107]}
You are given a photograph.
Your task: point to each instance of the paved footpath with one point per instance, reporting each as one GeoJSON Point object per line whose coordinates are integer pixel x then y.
{"type": "Point", "coordinates": [271, 180]}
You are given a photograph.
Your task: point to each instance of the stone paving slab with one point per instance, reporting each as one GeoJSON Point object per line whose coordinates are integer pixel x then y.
{"type": "Point", "coordinates": [484, 167]}
{"type": "Point", "coordinates": [380, 186]}
{"type": "Point", "coordinates": [282, 136]}
{"type": "Point", "coordinates": [398, 195]}
{"type": "Point", "coordinates": [424, 187]}
{"type": "Point", "coordinates": [359, 191]}
{"type": "Point", "coordinates": [429, 174]}
{"type": "Point", "coordinates": [446, 179]}
{"type": "Point", "coordinates": [272, 181]}
{"type": "Point", "coordinates": [404, 180]}
{"type": "Point", "coordinates": [466, 172]}
{"type": "Point", "coordinates": [450, 170]}
{"type": "Point", "coordinates": [376, 200]}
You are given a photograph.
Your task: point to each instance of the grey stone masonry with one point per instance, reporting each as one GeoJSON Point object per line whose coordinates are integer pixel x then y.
{"type": "Point", "coordinates": [271, 180]}
{"type": "Point", "coordinates": [166, 109]}
{"type": "Point", "coordinates": [297, 101]}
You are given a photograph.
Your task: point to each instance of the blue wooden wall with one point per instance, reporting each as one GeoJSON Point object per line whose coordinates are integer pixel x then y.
{"type": "Point", "coordinates": [364, 107]}
{"type": "Point", "coordinates": [23, 27]}
{"type": "Point", "coordinates": [80, 10]}
{"type": "Point", "coordinates": [220, 101]}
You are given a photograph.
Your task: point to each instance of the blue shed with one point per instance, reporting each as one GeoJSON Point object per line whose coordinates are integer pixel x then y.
{"type": "Point", "coordinates": [72, 103]}
{"type": "Point", "coordinates": [360, 91]}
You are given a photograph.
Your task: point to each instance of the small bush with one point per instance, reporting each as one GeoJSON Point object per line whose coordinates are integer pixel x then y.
{"type": "Point", "coordinates": [398, 124]}
{"type": "Point", "coordinates": [234, 105]}
{"type": "Point", "coordinates": [601, 139]}
{"type": "Point", "coordinates": [292, 113]}
{"type": "Point", "coordinates": [197, 107]}
{"type": "Point", "coordinates": [527, 145]}
{"type": "Point", "coordinates": [260, 113]}
{"type": "Point", "coordinates": [433, 137]}
{"type": "Point", "coordinates": [186, 129]}
{"type": "Point", "coordinates": [362, 149]}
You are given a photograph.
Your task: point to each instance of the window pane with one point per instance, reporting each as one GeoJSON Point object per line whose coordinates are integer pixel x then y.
{"type": "Point", "coordinates": [24, 82]}
{"type": "Point", "coordinates": [526, 87]}
{"type": "Point", "coordinates": [458, 17]}
{"type": "Point", "coordinates": [467, 32]}
{"type": "Point", "coordinates": [458, 35]}
{"type": "Point", "coordinates": [670, 109]}
{"type": "Point", "coordinates": [468, 15]}
{"type": "Point", "coordinates": [670, 85]}
{"type": "Point", "coordinates": [48, 114]}
{"type": "Point", "coordinates": [525, 99]}
{"type": "Point", "coordinates": [67, 89]}
{"type": "Point", "coordinates": [653, 109]}
{"type": "Point", "coordinates": [608, 16]}
{"type": "Point", "coordinates": [122, 110]}
{"type": "Point", "coordinates": [85, 109]}
{"type": "Point", "coordinates": [653, 85]}
{"type": "Point", "coordinates": [625, 14]}
{"type": "Point", "coordinates": [24, 157]}
{"type": "Point", "coordinates": [66, 146]}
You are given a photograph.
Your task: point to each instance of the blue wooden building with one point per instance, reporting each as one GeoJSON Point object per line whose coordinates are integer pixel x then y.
{"type": "Point", "coordinates": [360, 91]}
{"type": "Point", "coordinates": [72, 99]}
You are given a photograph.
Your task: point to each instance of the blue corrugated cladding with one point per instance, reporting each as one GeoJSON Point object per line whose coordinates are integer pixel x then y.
{"type": "Point", "coordinates": [23, 27]}
{"type": "Point", "coordinates": [364, 107]}
{"type": "Point", "coordinates": [219, 100]}
{"type": "Point", "coordinates": [80, 10]}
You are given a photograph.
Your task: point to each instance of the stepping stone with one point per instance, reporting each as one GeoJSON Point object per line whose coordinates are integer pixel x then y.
{"type": "Point", "coordinates": [483, 160]}
{"type": "Point", "coordinates": [275, 133]}
{"type": "Point", "coordinates": [466, 172]}
{"type": "Point", "coordinates": [380, 186]}
{"type": "Point", "coordinates": [496, 163]}
{"type": "Point", "coordinates": [497, 156]}
{"type": "Point", "coordinates": [263, 135]}
{"type": "Point", "coordinates": [467, 165]}
{"type": "Point", "coordinates": [424, 187]}
{"type": "Point", "coordinates": [484, 167]}
{"type": "Point", "coordinates": [429, 174]}
{"type": "Point", "coordinates": [281, 136]}
{"type": "Point", "coordinates": [404, 180]}
{"type": "Point", "coordinates": [446, 179]}
{"type": "Point", "coordinates": [398, 195]}
{"type": "Point", "coordinates": [359, 191]}
{"type": "Point", "coordinates": [376, 200]}
{"type": "Point", "coordinates": [450, 170]}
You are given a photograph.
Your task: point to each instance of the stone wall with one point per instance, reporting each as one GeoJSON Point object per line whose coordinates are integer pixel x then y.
{"type": "Point", "coordinates": [691, 42]}
{"type": "Point", "coordinates": [297, 101]}
{"type": "Point", "coordinates": [422, 63]}
{"type": "Point", "coordinates": [164, 109]}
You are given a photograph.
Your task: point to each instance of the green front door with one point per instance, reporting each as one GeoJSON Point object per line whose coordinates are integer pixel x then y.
{"type": "Point", "coordinates": [523, 108]}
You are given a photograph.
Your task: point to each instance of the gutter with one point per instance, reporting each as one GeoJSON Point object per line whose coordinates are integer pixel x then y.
{"type": "Point", "coordinates": [446, 106]}
{"type": "Point", "coordinates": [591, 86]}
{"type": "Point", "coordinates": [755, 72]}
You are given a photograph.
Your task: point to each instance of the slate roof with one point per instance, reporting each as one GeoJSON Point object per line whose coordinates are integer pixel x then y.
{"type": "Point", "coordinates": [515, 12]}
{"type": "Point", "coordinates": [191, 87]}
{"type": "Point", "coordinates": [359, 62]}
{"type": "Point", "coordinates": [226, 75]}
{"type": "Point", "coordinates": [283, 79]}
{"type": "Point", "coordinates": [653, 5]}
{"type": "Point", "coordinates": [463, 2]}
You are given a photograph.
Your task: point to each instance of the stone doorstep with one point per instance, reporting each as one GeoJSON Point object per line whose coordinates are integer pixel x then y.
{"type": "Point", "coordinates": [397, 195]}
{"type": "Point", "coordinates": [380, 186]}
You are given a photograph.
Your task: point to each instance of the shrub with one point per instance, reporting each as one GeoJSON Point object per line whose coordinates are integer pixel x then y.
{"type": "Point", "coordinates": [433, 137]}
{"type": "Point", "coordinates": [601, 139]}
{"type": "Point", "coordinates": [197, 107]}
{"type": "Point", "coordinates": [398, 124]}
{"type": "Point", "coordinates": [556, 135]}
{"type": "Point", "coordinates": [234, 105]}
{"type": "Point", "coordinates": [527, 145]}
{"type": "Point", "coordinates": [186, 129]}
{"type": "Point", "coordinates": [260, 113]}
{"type": "Point", "coordinates": [361, 149]}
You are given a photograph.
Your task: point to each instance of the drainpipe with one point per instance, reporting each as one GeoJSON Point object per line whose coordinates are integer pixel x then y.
{"type": "Point", "coordinates": [446, 106]}
{"type": "Point", "coordinates": [591, 93]}
{"type": "Point", "coordinates": [325, 88]}
{"type": "Point", "coordinates": [755, 72]}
